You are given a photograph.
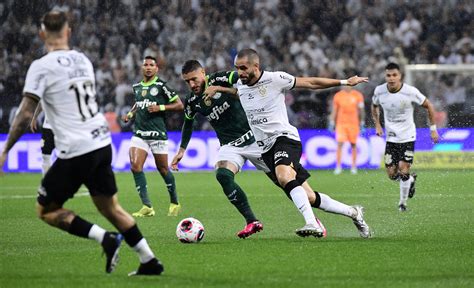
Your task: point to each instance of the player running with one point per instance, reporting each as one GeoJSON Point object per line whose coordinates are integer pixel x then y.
{"type": "Point", "coordinates": [397, 99]}
{"type": "Point", "coordinates": [262, 95]}
{"type": "Point", "coordinates": [227, 117]}
{"type": "Point", "coordinates": [152, 98]}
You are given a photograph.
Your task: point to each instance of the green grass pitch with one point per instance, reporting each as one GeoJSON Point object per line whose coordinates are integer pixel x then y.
{"type": "Point", "coordinates": [431, 245]}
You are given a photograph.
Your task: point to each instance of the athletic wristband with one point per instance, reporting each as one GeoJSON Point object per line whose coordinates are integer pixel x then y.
{"type": "Point", "coordinates": [162, 107]}
{"type": "Point", "coordinates": [129, 115]}
{"type": "Point", "coordinates": [433, 127]}
{"type": "Point", "coordinates": [344, 82]}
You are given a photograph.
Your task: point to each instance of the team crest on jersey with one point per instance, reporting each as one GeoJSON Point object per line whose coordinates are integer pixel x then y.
{"type": "Point", "coordinates": [144, 93]}
{"type": "Point", "coordinates": [262, 90]}
{"type": "Point", "coordinates": [154, 91]}
{"type": "Point", "coordinates": [208, 102]}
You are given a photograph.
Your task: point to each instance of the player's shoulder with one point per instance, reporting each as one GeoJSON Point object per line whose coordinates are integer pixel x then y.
{"type": "Point", "coordinates": [409, 88]}
{"type": "Point", "coordinates": [381, 89]}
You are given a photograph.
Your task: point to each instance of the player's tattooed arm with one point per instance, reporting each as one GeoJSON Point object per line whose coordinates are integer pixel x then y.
{"type": "Point", "coordinates": [211, 91]}
{"type": "Point", "coordinates": [33, 124]}
{"type": "Point", "coordinates": [22, 120]}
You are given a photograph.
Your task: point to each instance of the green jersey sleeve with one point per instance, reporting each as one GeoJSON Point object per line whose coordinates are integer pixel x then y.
{"type": "Point", "coordinates": [169, 94]}
{"type": "Point", "coordinates": [189, 111]}
{"type": "Point", "coordinates": [223, 78]}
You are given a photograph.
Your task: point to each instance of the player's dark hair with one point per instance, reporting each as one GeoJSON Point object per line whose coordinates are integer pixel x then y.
{"type": "Point", "coordinates": [190, 66]}
{"type": "Point", "coordinates": [151, 58]}
{"type": "Point", "coordinates": [54, 21]}
{"type": "Point", "coordinates": [250, 53]}
{"type": "Point", "coordinates": [391, 66]}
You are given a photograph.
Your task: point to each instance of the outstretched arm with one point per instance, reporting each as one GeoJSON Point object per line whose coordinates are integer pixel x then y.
{"type": "Point", "coordinates": [316, 83]}
{"type": "Point", "coordinates": [434, 133]}
{"type": "Point", "coordinates": [20, 124]}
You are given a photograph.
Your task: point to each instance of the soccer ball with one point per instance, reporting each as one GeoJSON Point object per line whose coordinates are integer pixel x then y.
{"type": "Point", "coordinates": [190, 230]}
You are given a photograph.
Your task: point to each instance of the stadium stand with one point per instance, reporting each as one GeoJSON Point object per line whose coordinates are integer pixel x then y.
{"type": "Point", "coordinates": [326, 38]}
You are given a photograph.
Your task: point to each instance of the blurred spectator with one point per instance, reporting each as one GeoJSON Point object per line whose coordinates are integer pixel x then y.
{"type": "Point", "coordinates": [112, 118]}
{"type": "Point", "coordinates": [324, 38]}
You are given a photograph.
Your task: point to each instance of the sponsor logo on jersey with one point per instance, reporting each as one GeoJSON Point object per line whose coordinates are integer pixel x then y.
{"type": "Point", "coordinates": [78, 73]}
{"type": "Point", "coordinates": [221, 78]}
{"type": "Point", "coordinates": [217, 111]}
{"type": "Point", "coordinates": [258, 121]}
{"type": "Point", "coordinates": [64, 61]}
{"type": "Point", "coordinates": [262, 90]}
{"type": "Point", "coordinates": [145, 103]}
{"type": "Point", "coordinates": [284, 77]}
{"type": "Point", "coordinates": [280, 154]}
{"type": "Point", "coordinates": [168, 92]}
{"type": "Point", "coordinates": [154, 91]}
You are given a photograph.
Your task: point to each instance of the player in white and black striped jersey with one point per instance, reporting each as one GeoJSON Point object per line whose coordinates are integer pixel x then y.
{"type": "Point", "coordinates": [262, 94]}
{"type": "Point", "coordinates": [397, 100]}
{"type": "Point", "coordinates": [64, 81]}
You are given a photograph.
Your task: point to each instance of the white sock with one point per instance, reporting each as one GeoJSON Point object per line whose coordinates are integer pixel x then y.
{"type": "Point", "coordinates": [404, 189]}
{"type": "Point", "coordinates": [330, 205]}
{"type": "Point", "coordinates": [46, 163]}
{"type": "Point", "coordinates": [144, 251]}
{"type": "Point", "coordinates": [97, 233]}
{"type": "Point", "coordinates": [299, 197]}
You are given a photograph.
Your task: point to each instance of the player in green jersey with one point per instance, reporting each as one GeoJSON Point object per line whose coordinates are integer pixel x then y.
{"type": "Point", "coordinates": [224, 112]}
{"type": "Point", "coordinates": [152, 98]}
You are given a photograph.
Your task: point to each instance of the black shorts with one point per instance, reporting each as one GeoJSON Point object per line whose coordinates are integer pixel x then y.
{"type": "Point", "coordinates": [66, 176]}
{"type": "Point", "coordinates": [47, 141]}
{"type": "Point", "coordinates": [396, 152]}
{"type": "Point", "coordinates": [286, 151]}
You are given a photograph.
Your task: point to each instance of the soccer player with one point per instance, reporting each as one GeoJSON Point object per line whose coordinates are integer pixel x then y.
{"type": "Point", "coordinates": [262, 95]}
{"type": "Point", "coordinates": [348, 116]}
{"type": "Point", "coordinates": [47, 139]}
{"type": "Point", "coordinates": [224, 112]}
{"type": "Point", "coordinates": [152, 98]}
{"type": "Point", "coordinates": [64, 81]}
{"type": "Point", "coordinates": [397, 100]}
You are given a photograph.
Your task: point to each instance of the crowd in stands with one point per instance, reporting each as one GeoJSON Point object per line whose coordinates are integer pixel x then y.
{"type": "Point", "coordinates": [327, 38]}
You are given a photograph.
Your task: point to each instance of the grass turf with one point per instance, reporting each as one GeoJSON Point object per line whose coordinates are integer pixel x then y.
{"type": "Point", "coordinates": [431, 245]}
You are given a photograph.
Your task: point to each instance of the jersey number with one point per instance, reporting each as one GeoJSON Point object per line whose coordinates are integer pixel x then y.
{"type": "Point", "coordinates": [85, 96]}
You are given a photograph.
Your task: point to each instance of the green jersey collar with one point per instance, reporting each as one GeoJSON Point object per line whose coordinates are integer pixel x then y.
{"type": "Point", "coordinates": [150, 82]}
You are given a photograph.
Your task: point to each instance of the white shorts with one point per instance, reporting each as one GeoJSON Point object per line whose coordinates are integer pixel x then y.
{"type": "Point", "coordinates": [238, 156]}
{"type": "Point", "coordinates": [156, 146]}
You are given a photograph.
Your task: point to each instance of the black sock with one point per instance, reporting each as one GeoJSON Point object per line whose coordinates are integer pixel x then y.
{"type": "Point", "coordinates": [80, 227]}
{"type": "Point", "coordinates": [132, 236]}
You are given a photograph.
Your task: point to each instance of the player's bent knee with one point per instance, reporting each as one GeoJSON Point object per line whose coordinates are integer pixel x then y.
{"type": "Point", "coordinates": [136, 168]}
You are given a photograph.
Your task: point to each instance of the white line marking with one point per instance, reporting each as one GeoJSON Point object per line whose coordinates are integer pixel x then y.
{"type": "Point", "coordinates": [79, 194]}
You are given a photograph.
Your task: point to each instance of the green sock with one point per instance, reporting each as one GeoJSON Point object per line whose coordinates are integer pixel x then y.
{"type": "Point", "coordinates": [235, 194]}
{"type": "Point", "coordinates": [140, 184]}
{"type": "Point", "coordinates": [171, 185]}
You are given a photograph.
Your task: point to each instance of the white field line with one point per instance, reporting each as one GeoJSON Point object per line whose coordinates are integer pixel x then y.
{"type": "Point", "coordinates": [79, 194]}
